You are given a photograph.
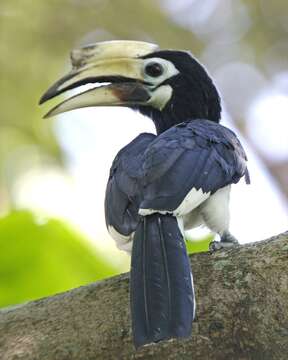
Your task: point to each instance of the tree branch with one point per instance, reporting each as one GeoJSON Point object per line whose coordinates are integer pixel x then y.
{"type": "Point", "coordinates": [242, 313]}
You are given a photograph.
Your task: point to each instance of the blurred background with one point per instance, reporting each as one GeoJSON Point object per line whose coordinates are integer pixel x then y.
{"type": "Point", "coordinates": [53, 172]}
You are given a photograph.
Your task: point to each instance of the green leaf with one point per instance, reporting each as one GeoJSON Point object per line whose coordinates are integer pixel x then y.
{"type": "Point", "coordinates": [196, 246]}
{"type": "Point", "coordinates": [43, 257]}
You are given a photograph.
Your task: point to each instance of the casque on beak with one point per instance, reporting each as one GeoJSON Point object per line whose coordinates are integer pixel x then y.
{"type": "Point", "coordinates": [117, 63]}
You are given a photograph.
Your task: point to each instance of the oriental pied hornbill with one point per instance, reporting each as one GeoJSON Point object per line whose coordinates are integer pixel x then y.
{"type": "Point", "coordinates": [160, 185]}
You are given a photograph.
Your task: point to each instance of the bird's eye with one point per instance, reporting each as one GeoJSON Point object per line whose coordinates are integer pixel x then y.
{"type": "Point", "coordinates": [154, 69]}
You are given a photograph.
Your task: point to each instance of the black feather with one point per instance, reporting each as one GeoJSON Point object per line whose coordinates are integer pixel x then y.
{"type": "Point", "coordinates": [158, 172]}
{"type": "Point", "coordinates": [162, 296]}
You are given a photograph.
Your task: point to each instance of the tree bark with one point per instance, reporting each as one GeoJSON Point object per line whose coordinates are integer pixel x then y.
{"type": "Point", "coordinates": [242, 313]}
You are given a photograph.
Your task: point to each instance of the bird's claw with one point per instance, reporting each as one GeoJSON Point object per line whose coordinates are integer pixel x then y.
{"type": "Point", "coordinates": [228, 241]}
{"type": "Point", "coordinates": [218, 245]}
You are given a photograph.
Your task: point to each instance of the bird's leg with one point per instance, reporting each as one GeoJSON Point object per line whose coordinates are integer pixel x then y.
{"type": "Point", "coordinates": [227, 240]}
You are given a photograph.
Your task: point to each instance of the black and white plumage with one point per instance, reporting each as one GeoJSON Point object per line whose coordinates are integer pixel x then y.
{"type": "Point", "coordinates": [156, 174]}
{"type": "Point", "coordinates": [160, 185]}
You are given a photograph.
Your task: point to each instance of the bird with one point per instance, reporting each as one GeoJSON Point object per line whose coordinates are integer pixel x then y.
{"type": "Point", "coordinates": [160, 185]}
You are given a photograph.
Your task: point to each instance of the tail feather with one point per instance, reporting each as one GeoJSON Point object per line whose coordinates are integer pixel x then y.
{"type": "Point", "coordinates": [162, 295]}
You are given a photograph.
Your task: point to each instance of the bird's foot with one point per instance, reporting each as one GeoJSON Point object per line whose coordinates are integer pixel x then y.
{"type": "Point", "coordinates": [227, 241]}
{"type": "Point", "coordinates": [228, 238]}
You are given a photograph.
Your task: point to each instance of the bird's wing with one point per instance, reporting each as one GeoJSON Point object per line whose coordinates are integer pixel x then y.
{"type": "Point", "coordinates": [187, 163]}
{"type": "Point", "coordinates": [123, 192]}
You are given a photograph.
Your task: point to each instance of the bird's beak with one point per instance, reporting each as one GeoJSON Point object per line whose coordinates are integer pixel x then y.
{"type": "Point", "coordinates": [117, 63]}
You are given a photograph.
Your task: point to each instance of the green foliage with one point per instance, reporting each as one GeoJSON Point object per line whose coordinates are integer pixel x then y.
{"type": "Point", "coordinates": [196, 246]}
{"type": "Point", "coordinates": [43, 257]}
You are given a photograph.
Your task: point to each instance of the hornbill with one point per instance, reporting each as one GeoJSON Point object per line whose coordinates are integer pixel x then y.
{"type": "Point", "coordinates": [160, 185]}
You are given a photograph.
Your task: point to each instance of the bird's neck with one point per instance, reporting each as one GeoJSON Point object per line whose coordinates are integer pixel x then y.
{"type": "Point", "coordinates": [191, 103]}
{"type": "Point", "coordinates": [162, 121]}
{"type": "Point", "coordinates": [165, 119]}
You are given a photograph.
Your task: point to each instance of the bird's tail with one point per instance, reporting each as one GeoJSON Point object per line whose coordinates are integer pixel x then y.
{"type": "Point", "coordinates": [161, 285]}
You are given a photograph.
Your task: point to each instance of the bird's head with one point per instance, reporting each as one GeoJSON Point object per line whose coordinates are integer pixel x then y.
{"type": "Point", "coordinates": [168, 86]}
